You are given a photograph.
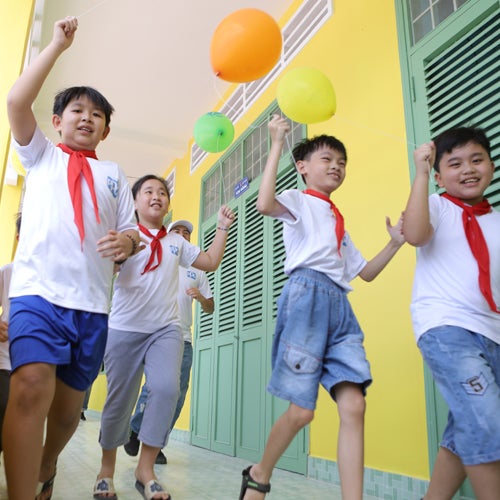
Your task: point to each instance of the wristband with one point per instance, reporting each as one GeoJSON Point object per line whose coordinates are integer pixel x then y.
{"type": "Point", "coordinates": [134, 244]}
{"type": "Point", "coordinates": [223, 228]}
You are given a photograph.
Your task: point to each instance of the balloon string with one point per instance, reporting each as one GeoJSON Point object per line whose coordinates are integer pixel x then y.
{"type": "Point", "coordinates": [91, 9]}
{"type": "Point", "coordinates": [248, 126]}
{"type": "Point", "coordinates": [290, 151]}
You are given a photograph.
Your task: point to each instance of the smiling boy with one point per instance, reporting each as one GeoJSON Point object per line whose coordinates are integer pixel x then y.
{"type": "Point", "coordinates": [78, 218]}
{"type": "Point", "coordinates": [455, 304]}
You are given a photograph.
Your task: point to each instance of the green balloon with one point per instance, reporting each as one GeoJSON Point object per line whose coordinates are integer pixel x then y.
{"type": "Point", "coordinates": [213, 132]}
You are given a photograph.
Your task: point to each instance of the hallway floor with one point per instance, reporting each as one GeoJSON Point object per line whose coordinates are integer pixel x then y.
{"type": "Point", "coordinates": [191, 473]}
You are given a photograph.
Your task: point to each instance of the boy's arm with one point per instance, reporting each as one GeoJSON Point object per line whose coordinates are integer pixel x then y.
{"type": "Point", "coordinates": [417, 226]}
{"type": "Point", "coordinates": [266, 200]}
{"type": "Point", "coordinates": [26, 88]}
{"type": "Point", "coordinates": [375, 265]}
{"type": "Point", "coordinates": [207, 305]}
{"type": "Point", "coordinates": [210, 260]}
{"type": "Point", "coordinates": [120, 246]}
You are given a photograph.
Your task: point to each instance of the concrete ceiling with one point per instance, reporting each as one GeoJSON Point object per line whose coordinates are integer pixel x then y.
{"type": "Point", "coordinates": [151, 59]}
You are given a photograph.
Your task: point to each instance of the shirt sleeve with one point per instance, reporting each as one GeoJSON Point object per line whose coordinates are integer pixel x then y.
{"type": "Point", "coordinates": [354, 261]}
{"type": "Point", "coordinates": [125, 210]}
{"type": "Point", "coordinates": [30, 154]}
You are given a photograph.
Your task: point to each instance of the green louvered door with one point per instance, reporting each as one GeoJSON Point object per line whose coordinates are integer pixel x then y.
{"type": "Point", "coordinates": [456, 82]}
{"type": "Point", "coordinates": [231, 411]}
{"type": "Point", "coordinates": [214, 380]}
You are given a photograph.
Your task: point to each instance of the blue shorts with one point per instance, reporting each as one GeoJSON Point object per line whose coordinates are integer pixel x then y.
{"type": "Point", "coordinates": [466, 369]}
{"type": "Point", "coordinates": [317, 340]}
{"type": "Point", "coordinates": [41, 332]}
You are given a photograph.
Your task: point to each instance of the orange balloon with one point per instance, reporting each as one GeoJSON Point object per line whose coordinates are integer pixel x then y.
{"type": "Point", "coordinates": [245, 46]}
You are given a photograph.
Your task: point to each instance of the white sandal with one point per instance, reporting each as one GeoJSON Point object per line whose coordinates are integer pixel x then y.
{"type": "Point", "coordinates": [105, 489]}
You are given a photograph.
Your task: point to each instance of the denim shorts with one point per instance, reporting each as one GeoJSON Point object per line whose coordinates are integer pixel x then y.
{"type": "Point", "coordinates": [466, 369]}
{"type": "Point", "coordinates": [41, 332]}
{"type": "Point", "coordinates": [317, 340]}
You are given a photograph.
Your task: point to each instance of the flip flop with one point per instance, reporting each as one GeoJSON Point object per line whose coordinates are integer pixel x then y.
{"type": "Point", "coordinates": [249, 482]}
{"type": "Point", "coordinates": [44, 488]}
{"type": "Point", "coordinates": [151, 489]}
{"type": "Point", "coordinates": [105, 489]}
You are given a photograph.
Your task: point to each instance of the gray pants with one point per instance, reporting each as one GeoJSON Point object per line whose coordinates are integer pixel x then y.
{"type": "Point", "coordinates": [128, 355]}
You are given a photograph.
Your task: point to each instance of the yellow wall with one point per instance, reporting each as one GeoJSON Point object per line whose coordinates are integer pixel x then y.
{"type": "Point", "coordinates": [15, 25]}
{"type": "Point", "coordinates": [357, 49]}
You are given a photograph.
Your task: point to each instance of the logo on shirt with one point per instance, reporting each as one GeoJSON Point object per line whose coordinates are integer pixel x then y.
{"type": "Point", "coordinates": [113, 186]}
{"type": "Point", "coordinates": [174, 250]}
{"type": "Point", "coordinates": [191, 274]}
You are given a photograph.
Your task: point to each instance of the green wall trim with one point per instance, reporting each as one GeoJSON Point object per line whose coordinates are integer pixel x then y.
{"type": "Point", "coordinates": [377, 483]}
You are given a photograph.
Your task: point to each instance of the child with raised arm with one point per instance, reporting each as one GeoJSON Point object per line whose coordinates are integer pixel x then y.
{"type": "Point", "coordinates": [318, 339]}
{"type": "Point", "coordinates": [78, 218]}
{"type": "Point", "coordinates": [456, 304]}
{"type": "Point", "coordinates": [145, 336]}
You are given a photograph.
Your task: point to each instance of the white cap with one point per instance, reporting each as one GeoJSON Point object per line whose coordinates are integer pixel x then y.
{"type": "Point", "coordinates": [184, 223]}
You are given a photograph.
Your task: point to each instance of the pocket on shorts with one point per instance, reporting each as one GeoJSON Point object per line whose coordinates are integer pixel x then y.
{"type": "Point", "coordinates": [300, 362]}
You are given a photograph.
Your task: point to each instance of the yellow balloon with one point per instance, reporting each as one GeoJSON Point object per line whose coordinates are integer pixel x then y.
{"type": "Point", "coordinates": [306, 95]}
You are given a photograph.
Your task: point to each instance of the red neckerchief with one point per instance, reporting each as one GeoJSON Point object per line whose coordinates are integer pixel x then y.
{"type": "Point", "coordinates": [339, 220]}
{"type": "Point", "coordinates": [78, 165]}
{"type": "Point", "coordinates": [156, 248]}
{"type": "Point", "coordinates": [477, 243]}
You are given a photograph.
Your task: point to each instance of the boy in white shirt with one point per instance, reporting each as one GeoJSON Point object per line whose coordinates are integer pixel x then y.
{"type": "Point", "coordinates": [62, 269]}
{"type": "Point", "coordinates": [318, 339]}
{"type": "Point", "coordinates": [456, 304]}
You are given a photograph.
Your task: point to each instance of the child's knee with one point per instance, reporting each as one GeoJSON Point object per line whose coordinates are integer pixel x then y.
{"type": "Point", "coordinates": [352, 407]}
{"type": "Point", "coordinates": [32, 386]}
{"type": "Point", "coordinates": [163, 391]}
{"type": "Point", "coordinates": [300, 417]}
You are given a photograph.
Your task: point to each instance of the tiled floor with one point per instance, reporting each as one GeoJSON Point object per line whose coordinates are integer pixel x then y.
{"type": "Point", "coordinates": [192, 473]}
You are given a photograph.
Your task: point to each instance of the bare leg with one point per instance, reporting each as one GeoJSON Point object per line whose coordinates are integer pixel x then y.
{"type": "Point", "coordinates": [485, 479]}
{"type": "Point", "coordinates": [32, 389]}
{"type": "Point", "coordinates": [350, 453]}
{"type": "Point", "coordinates": [108, 463]}
{"type": "Point", "coordinates": [281, 435]}
{"type": "Point", "coordinates": [145, 468]}
{"type": "Point", "coordinates": [447, 476]}
{"type": "Point", "coordinates": [62, 421]}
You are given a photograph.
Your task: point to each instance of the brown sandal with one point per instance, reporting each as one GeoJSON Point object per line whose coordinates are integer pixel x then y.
{"type": "Point", "coordinates": [45, 488]}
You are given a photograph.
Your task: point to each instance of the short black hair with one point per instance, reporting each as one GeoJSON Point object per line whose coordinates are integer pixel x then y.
{"type": "Point", "coordinates": [64, 97]}
{"type": "Point", "coordinates": [306, 147]}
{"type": "Point", "coordinates": [452, 138]}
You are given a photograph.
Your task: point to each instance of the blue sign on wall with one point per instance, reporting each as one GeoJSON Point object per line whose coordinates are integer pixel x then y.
{"type": "Point", "coordinates": [241, 187]}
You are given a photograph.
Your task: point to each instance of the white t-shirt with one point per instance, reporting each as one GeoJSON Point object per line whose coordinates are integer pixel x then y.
{"type": "Point", "coordinates": [5, 275]}
{"type": "Point", "coordinates": [190, 278]}
{"type": "Point", "coordinates": [49, 259]}
{"type": "Point", "coordinates": [310, 239]}
{"type": "Point", "coordinates": [446, 288]}
{"type": "Point", "coordinates": [145, 303]}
